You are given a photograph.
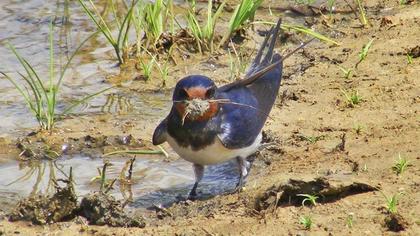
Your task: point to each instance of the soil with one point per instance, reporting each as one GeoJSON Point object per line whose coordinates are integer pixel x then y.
{"type": "Point", "coordinates": [41, 209]}
{"type": "Point", "coordinates": [316, 143]}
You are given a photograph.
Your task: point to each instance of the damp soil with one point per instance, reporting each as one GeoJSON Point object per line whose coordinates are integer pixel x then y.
{"type": "Point", "coordinates": [315, 143]}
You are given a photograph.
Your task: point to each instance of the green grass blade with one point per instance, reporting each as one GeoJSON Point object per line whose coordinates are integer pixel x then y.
{"type": "Point", "coordinates": [34, 84]}
{"type": "Point", "coordinates": [39, 85]}
{"type": "Point", "coordinates": [28, 68]}
{"type": "Point", "coordinates": [212, 23]}
{"type": "Point", "coordinates": [38, 98]}
{"type": "Point", "coordinates": [37, 82]}
{"type": "Point", "coordinates": [243, 12]}
{"type": "Point", "coordinates": [25, 95]}
{"type": "Point", "coordinates": [102, 26]}
{"type": "Point", "coordinates": [125, 27]}
{"type": "Point", "coordinates": [114, 12]}
{"type": "Point", "coordinates": [309, 32]}
{"type": "Point", "coordinates": [102, 23]}
{"type": "Point", "coordinates": [154, 21]}
{"type": "Point", "coordinates": [72, 56]}
{"type": "Point", "coordinates": [195, 29]}
{"type": "Point", "coordinates": [362, 13]}
{"type": "Point", "coordinates": [147, 152]}
{"type": "Point", "coordinates": [52, 92]}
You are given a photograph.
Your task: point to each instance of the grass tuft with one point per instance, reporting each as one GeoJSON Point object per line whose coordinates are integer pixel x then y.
{"type": "Point", "coordinates": [164, 72]}
{"type": "Point", "coordinates": [400, 165]}
{"type": "Point", "coordinates": [120, 44]}
{"type": "Point", "coordinates": [308, 198]}
{"type": "Point", "coordinates": [347, 73]}
{"type": "Point", "coordinates": [350, 220]}
{"type": "Point", "coordinates": [392, 202]}
{"type": "Point", "coordinates": [154, 21]}
{"type": "Point", "coordinates": [147, 67]}
{"type": "Point", "coordinates": [363, 54]}
{"type": "Point", "coordinates": [306, 221]}
{"type": "Point", "coordinates": [41, 95]}
{"type": "Point", "coordinates": [243, 13]}
{"type": "Point", "coordinates": [352, 98]}
{"type": "Point", "coordinates": [237, 63]}
{"type": "Point", "coordinates": [409, 59]}
{"type": "Point", "coordinates": [204, 35]}
{"type": "Point", "coordinates": [358, 128]}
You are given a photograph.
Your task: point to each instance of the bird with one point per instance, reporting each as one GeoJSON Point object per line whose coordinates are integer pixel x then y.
{"type": "Point", "coordinates": [208, 125]}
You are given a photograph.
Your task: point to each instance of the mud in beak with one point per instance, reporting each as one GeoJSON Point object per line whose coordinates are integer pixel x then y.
{"type": "Point", "coordinates": [197, 106]}
{"type": "Point", "coordinates": [197, 109]}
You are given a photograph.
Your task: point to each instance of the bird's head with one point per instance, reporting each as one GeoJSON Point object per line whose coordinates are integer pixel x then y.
{"type": "Point", "coordinates": [193, 98]}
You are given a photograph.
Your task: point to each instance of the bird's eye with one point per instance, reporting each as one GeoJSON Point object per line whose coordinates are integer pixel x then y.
{"type": "Point", "coordinates": [182, 94]}
{"type": "Point", "coordinates": [210, 92]}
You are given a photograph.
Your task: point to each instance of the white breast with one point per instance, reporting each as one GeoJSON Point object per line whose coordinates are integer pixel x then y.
{"type": "Point", "coordinates": [214, 153]}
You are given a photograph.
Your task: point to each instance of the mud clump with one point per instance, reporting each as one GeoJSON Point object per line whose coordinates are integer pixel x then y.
{"type": "Point", "coordinates": [98, 208]}
{"type": "Point", "coordinates": [37, 147]}
{"type": "Point", "coordinates": [31, 148]}
{"type": "Point", "coordinates": [329, 190]}
{"type": "Point", "coordinates": [102, 209]}
{"type": "Point", "coordinates": [41, 209]}
{"type": "Point", "coordinates": [395, 222]}
{"type": "Point", "coordinates": [196, 107]}
{"type": "Point", "coordinates": [414, 52]}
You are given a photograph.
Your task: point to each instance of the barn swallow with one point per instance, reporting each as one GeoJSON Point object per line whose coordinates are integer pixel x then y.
{"type": "Point", "coordinates": [208, 124]}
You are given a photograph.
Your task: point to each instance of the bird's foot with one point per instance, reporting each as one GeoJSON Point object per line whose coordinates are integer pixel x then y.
{"type": "Point", "coordinates": [192, 196]}
{"type": "Point", "coordinates": [239, 186]}
{"type": "Point", "coordinates": [193, 193]}
{"type": "Point", "coordinates": [238, 189]}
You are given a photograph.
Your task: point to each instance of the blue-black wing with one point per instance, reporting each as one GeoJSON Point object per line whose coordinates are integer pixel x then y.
{"type": "Point", "coordinates": [159, 136]}
{"type": "Point", "coordinates": [249, 101]}
{"type": "Point", "coordinates": [239, 125]}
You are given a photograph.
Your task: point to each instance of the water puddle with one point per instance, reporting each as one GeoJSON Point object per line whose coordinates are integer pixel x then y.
{"type": "Point", "coordinates": [26, 26]}
{"type": "Point", "coordinates": [154, 181]}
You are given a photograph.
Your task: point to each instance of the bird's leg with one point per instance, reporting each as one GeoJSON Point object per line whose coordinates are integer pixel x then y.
{"type": "Point", "coordinates": [243, 172]}
{"type": "Point", "coordinates": [198, 172]}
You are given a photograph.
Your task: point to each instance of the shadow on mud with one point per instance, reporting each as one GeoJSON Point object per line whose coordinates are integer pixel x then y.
{"type": "Point", "coordinates": [295, 191]}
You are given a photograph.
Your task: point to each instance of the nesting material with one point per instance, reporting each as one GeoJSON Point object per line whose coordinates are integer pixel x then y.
{"type": "Point", "coordinates": [196, 107]}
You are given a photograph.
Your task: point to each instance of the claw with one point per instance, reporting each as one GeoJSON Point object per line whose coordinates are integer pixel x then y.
{"type": "Point", "coordinates": [243, 173]}
{"type": "Point", "coordinates": [198, 172]}
{"type": "Point", "coordinates": [239, 186]}
{"type": "Point", "coordinates": [193, 193]}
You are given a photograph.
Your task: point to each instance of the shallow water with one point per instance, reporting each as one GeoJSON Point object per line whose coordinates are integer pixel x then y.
{"type": "Point", "coordinates": [154, 182]}
{"type": "Point", "coordinates": [25, 24]}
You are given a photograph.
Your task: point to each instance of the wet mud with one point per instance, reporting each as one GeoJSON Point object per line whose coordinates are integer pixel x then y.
{"type": "Point", "coordinates": [43, 209]}
{"type": "Point", "coordinates": [102, 209]}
